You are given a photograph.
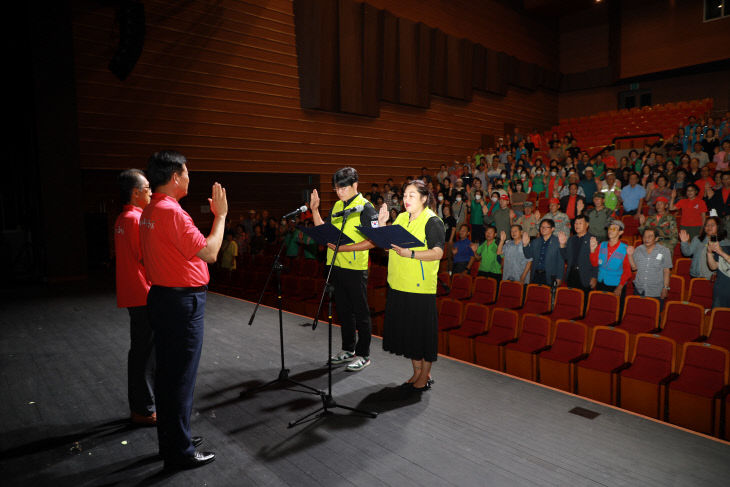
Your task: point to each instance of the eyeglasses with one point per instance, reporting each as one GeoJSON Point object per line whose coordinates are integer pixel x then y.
{"type": "Point", "coordinates": [145, 188]}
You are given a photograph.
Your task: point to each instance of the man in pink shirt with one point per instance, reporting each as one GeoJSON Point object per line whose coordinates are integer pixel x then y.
{"type": "Point", "coordinates": [176, 257]}
{"type": "Point", "coordinates": [132, 289]}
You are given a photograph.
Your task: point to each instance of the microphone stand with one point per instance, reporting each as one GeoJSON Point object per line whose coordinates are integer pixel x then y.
{"type": "Point", "coordinates": [283, 372]}
{"type": "Point", "coordinates": [328, 401]}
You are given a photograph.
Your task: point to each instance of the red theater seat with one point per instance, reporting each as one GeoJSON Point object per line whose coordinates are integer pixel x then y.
{"type": "Point", "coordinates": [703, 374]}
{"type": "Point", "coordinates": [602, 309]}
{"type": "Point", "coordinates": [537, 299]}
{"type": "Point", "coordinates": [641, 315]}
{"type": "Point", "coordinates": [460, 287]}
{"type": "Point", "coordinates": [521, 356]}
{"type": "Point", "coordinates": [489, 347]}
{"type": "Point", "coordinates": [700, 292]}
{"type": "Point", "coordinates": [683, 322]}
{"type": "Point", "coordinates": [449, 318]}
{"type": "Point", "coordinates": [652, 363]}
{"type": "Point", "coordinates": [718, 331]}
{"type": "Point", "coordinates": [568, 304]}
{"type": "Point", "coordinates": [676, 288]}
{"type": "Point", "coordinates": [461, 339]}
{"type": "Point", "coordinates": [555, 366]}
{"type": "Point", "coordinates": [510, 295]}
{"type": "Point", "coordinates": [595, 376]}
{"type": "Point", "coordinates": [485, 290]}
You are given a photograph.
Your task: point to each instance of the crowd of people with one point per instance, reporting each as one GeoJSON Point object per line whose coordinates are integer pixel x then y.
{"type": "Point", "coordinates": [677, 192]}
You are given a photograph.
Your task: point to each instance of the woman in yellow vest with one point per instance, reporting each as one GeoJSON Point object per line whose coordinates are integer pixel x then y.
{"type": "Point", "coordinates": [411, 318]}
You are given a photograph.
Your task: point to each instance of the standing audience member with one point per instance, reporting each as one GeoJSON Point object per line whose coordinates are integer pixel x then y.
{"type": "Point", "coordinates": [176, 255]}
{"type": "Point", "coordinates": [132, 289]}
{"type": "Point", "coordinates": [599, 217]}
{"type": "Point", "coordinates": [697, 247]}
{"type": "Point", "coordinates": [228, 253]}
{"type": "Point", "coordinates": [529, 221]}
{"type": "Point", "coordinates": [614, 269]}
{"type": "Point", "coordinates": [515, 266]}
{"type": "Point", "coordinates": [561, 220]}
{"type": "Point", "coordinates": [572, 204]}
{"type": "Point", "coordinates": [462, 252]}
{"type": "Point", "coordinates": [719, 200]}
{"type": "Point", "coordinates": [718, 259]}
{"type": "Point", "coordinates": [693, 210]}
{"type": "Point", "coordinates": [652, 264]}
{"type": "Point", "coordinates": [663, 222]}
{"type": "Point", "coordinates": [488, 253]}
{"type": "Point", "coordinates": [632, 196]}
{"type": "Point", "coordinates": [547, 263]}
{"type": "Point", "coordinates": [576, 250]}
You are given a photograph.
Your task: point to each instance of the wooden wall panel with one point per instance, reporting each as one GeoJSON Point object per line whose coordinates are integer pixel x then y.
{"type": "Point", "coordinates": [220, 83]}
{"type": "Point", "coordinates": [657, 35]}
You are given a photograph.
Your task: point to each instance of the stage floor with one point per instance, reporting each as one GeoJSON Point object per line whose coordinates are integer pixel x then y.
{"type": "Point", "coordinates": [63, 414]}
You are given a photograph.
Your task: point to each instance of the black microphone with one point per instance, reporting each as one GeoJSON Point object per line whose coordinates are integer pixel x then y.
{"type": "Point", "coordinates": [294, 213]}
{"type": "Point", "coordinates": [354, 209]}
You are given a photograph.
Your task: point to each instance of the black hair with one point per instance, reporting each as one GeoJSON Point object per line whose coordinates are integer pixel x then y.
{"type": "Point", "coordinates": [516, 225]}
{"type": "Point", "coordinates": [721, 232]}
{"type": "Point", "coordinates": [693, 185]}
{"type": "Point", "coordinates": [162, 165]}
{"type": "Point", "coordinates": [129, 180]}
{"type": "Point", "coordinates": [549, 221]}
{"type": "Point", "coordinates": [347, 176]}
{"type": "Point", "coordinates": [649, 229]}
{"type": "Point", "coordinates": [583, 217]}
{"type": "Point", "coordinates": [423, 190]}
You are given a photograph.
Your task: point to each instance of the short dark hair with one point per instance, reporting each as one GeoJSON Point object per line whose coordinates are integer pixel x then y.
{"type": "Point", "coordinates": [696, 188]}
{"type": "Point", "coordinates": [649, 229]}
{"type": "Point", "coordinates": [549, 221]}
{"type": "Point", "coordinates": [583, 217]}
{"type": "Point", "coordinates": [347, 176]}
{"type": "Point", "coordinates": [129, 180]}
{"type": "Point", "coordinates": [162, 165]}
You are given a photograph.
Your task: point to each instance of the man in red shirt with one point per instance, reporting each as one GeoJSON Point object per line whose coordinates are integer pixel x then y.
{"type": "Point", "coordinates": [175, 255]}
{"type": "Point", "coordinates": [132, 288]}
{"type": "Point", "coordinates": [693, 210]}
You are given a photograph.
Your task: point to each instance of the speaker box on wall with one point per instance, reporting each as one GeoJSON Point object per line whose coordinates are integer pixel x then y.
{"type": "Point", "coordinates": [131, 20]}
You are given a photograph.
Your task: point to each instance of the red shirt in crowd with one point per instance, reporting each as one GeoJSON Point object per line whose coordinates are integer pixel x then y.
{"type": "Point", "coordinates": [170, 242]}
{"type": "Point", "coordinates": [570, 210]}
{"type": "Point", "coordinates": [132, 284]}
{"type": "Point", "coordinates": [610, 161]}
{"type": "Point", "coordinates": [692, 210]}
{"type": "Point", "coordinates": [626, 273]}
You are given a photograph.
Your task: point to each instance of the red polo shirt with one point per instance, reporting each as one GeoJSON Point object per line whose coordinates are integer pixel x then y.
{"type": "Point", "coordinates": [170, 242]}
{"type": "Point", "coordinates": [692, 211]}
{"type": "Point", "coordinates": [132, 284]}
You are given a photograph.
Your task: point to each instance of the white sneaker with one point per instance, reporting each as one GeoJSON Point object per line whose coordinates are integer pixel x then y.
{"type": "Point", "coordinates": [358, 364]}
{"type": "Point", "coordinates": [342, 357]}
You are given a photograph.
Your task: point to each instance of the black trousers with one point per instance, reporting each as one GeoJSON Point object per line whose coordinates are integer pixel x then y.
{"type": "Point", "coordinates": [177, 320]}
{"type": "Point", "coordinates": [140, 362]}
{"type": "Point", "coordinates": [574, 281]}
{"type": "Point", "coordinates": [351, 300]}
{"type": "Point", "coordinates": [493, 275]}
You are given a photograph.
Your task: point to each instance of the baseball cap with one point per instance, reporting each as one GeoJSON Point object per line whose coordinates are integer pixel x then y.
{"type": "Point", "coordinates": [618, 223]}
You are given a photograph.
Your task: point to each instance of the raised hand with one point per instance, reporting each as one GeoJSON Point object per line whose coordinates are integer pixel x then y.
{"type": "Point", "coordinates": [683, 236]}
{"type": "Point", "coordinates": [218, 201]}
{"type": "Point", "coordinates": [473, 247]}
{"type": "Point", "coordinates": [562, 238]}
{"type": "Point", "coordinates": [537, 215]}
{"type": "Point", "coordinates": [630, 250]}
{"type": "Point", "coordinates": [525, 239]}
{"type": "Point", "coordinates": [314, 200]}
{"type": "Point", "coordinates": [713, 247]}
{"type": "Point", "coordinates": [580, 206]}
{"type": "Point", "coordinates": [502, 236]}
{"type": "Point", "coordinates": [593, 244]}
{"type": "Point", "coordinates": [674, 194]}
{"type": "Point", "coordinates": [642, 219]}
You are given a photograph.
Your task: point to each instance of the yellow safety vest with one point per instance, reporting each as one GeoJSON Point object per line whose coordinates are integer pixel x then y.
{"type": "Point", "coordinates": [357, 260]}
{"type": "Point", "coordinates": [413, 275]}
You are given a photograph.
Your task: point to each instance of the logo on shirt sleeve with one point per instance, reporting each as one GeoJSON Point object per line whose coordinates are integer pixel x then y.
{"type": "Point", "coordinates": [147, 223]}
{"type": "Point", "coordinates": [374, 224]}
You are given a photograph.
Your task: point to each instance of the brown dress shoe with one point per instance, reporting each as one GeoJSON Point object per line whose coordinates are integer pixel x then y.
{"type": "Point", "coordinates": [143, 420]}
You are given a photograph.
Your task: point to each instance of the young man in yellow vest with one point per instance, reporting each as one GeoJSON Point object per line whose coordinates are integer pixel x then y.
{"type": "Point", "coordinates": [350, 271]}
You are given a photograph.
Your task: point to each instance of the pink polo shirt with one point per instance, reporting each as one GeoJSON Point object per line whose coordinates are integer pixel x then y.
{"type": "Point", "coordinates": [170, 242]}
{"type": "Point", "coordinates": [132, 284]}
